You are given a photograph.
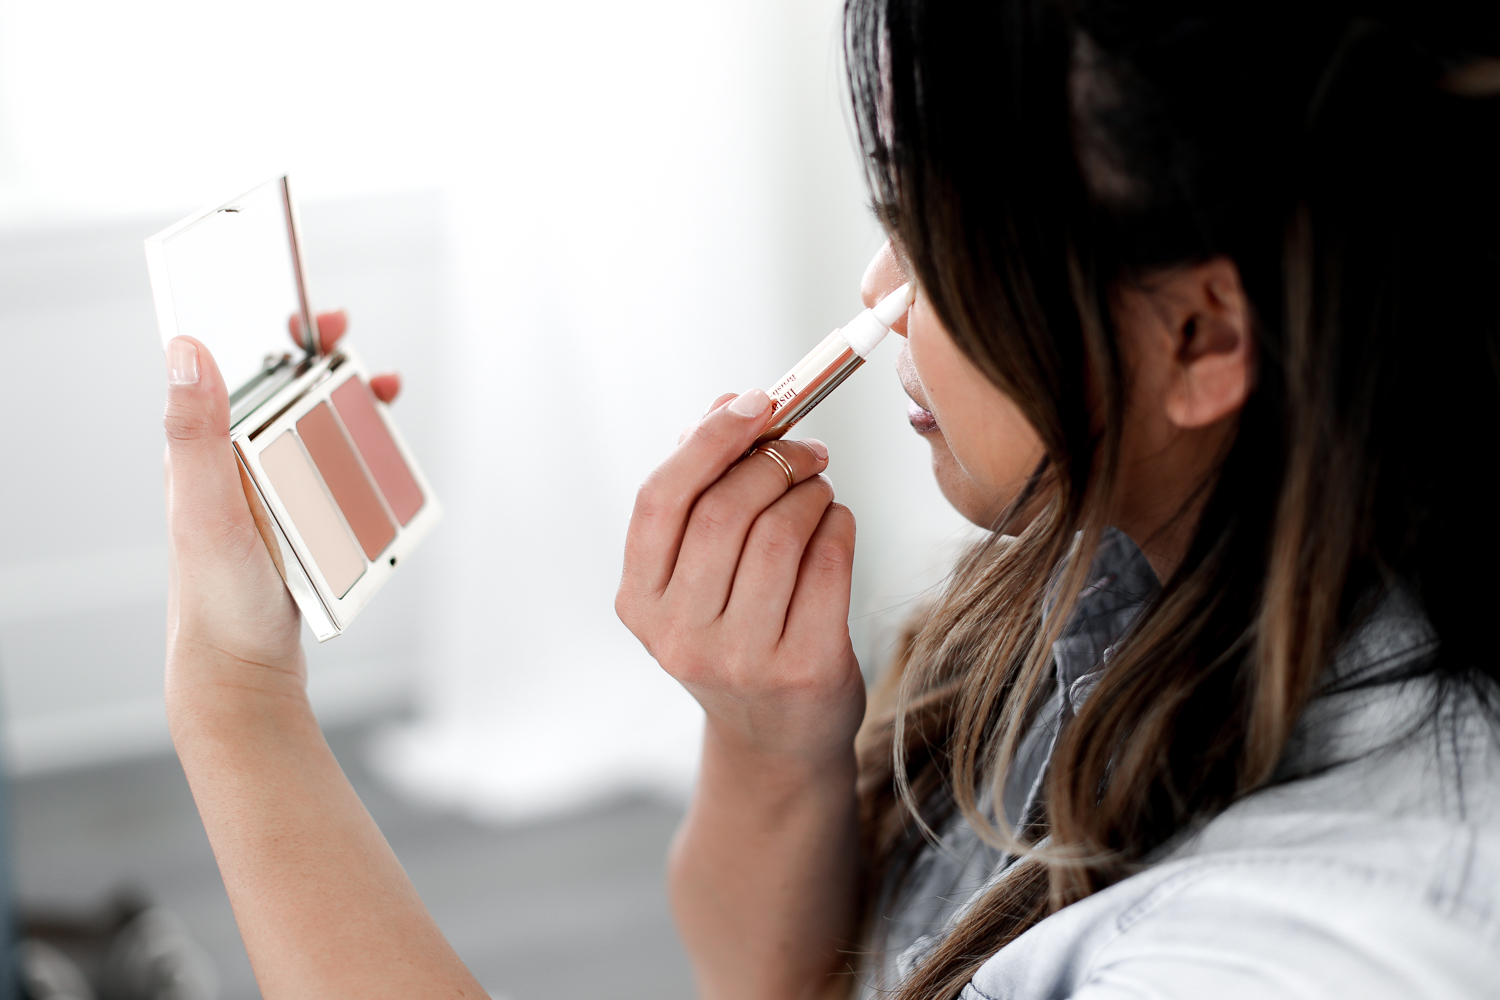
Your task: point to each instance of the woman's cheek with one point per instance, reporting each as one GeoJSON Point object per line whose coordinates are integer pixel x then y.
{"type": "Point", "coordinates": [984, 450]}
{"type": "Point", "coordinates": [968, 497]}
{"type": "Point", "coordinates": [993, 455]}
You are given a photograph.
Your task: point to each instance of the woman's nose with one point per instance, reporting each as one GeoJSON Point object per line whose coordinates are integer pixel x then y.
{"type": "Point", "coordinates": [884, 275]}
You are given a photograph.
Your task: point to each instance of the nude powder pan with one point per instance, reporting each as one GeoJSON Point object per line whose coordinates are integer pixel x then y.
{"type": "Point", "coordinates": [313, 512]}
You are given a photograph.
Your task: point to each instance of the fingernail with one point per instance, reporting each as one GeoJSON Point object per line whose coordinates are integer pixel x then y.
{"type": "Point", "coordinates": [182, 361]}
{"type": "Point", "coordinates": [750, 404]}
{"type": "Point", "coordinates": [818, 448]}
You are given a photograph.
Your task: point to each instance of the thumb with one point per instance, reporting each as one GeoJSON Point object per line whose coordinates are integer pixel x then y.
{"type": "Point", "coordinates": [205, 502]}
{"type": "Point", "coordinates": [225, 591]}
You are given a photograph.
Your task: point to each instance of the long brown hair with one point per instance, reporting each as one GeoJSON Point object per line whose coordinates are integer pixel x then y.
{"type": "Point", "coordinates": [1030, 155]}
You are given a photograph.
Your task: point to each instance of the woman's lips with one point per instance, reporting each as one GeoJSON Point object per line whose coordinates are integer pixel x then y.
{"type": "Point", "coordinates": [922, 421]}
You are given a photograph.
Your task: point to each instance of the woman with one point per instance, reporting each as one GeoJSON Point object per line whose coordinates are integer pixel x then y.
{"type": "Point", "coordinates": [1205, 336]}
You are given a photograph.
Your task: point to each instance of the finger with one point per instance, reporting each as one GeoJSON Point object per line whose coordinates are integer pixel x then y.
{"type": "Point", "coordinates": [663, 502]}
{"type": "Point", "coordinates": [712, 407]}
{"type": "Point", "coordinates": [206, 507]}
{"type": "Point", "coordinates": [331, 326]}
{"type": "Point", "coordinates": [386, 387]}
{"type": "Point", "coordinates": [817, 618]}
{"type": "Point", "coordinates": [722, 520]}
{"type": "Point", "coordinates": [768, 567]}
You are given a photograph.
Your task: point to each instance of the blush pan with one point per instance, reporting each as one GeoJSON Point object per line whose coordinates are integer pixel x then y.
{"type": "Point", "coordinates": [346, 479]}
{"type": "Point", "coordinates": [356, 405]}
{"type": "Point", "coordinates": [313, 512]}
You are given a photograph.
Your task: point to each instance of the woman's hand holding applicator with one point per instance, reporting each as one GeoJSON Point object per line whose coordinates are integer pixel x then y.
{"type": "Point", "coordinates": [737, 578]}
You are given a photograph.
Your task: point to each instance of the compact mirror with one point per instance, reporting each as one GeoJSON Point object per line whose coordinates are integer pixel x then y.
{"type": "Point", "coordinates": [233, 280]}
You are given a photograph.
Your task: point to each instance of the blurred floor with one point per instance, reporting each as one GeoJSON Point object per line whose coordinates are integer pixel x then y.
{"type": "Point", "coordinates": [570, 908]}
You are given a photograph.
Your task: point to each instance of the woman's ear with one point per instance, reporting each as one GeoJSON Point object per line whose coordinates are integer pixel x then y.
{"type": "Point", "coordinates": [1204, 342]}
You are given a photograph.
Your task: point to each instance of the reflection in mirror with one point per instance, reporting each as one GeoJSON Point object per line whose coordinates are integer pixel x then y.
{"type": "Point", "coordinates": [233, 286]}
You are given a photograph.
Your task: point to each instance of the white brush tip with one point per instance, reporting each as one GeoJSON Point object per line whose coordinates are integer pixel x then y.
{"type": "Point", "coordinates": [890, 309]}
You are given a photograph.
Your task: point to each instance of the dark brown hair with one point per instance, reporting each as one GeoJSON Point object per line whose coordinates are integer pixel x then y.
{"type": "Point", "coordinates": [1030, 155]}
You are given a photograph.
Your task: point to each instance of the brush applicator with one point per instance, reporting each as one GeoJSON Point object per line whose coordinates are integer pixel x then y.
{"type": "Point", "coordinates": [826, 366]}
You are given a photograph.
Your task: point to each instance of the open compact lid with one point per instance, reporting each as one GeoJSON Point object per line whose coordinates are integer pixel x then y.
{"type": "Point", "coordinates": [231, 276]}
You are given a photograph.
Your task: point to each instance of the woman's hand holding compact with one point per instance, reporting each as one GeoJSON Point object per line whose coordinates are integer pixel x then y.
{"type": "Point", "coordinates": [737, 578]}
{"type": "Point", "coordinates": [230, 619]}
{"type": "Point", "coordinates": [323, 905]}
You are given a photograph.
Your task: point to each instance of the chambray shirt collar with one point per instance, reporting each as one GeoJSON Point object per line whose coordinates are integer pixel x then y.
{"type": "Point", "coordinates": [1121, 584]}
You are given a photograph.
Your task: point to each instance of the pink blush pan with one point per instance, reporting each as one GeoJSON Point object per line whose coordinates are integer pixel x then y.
{"type": "Point", "coordinates": [356, 405]}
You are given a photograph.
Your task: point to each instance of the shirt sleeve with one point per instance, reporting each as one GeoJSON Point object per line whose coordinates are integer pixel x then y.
{"type": "Point", "coordinates": [1303, 930]}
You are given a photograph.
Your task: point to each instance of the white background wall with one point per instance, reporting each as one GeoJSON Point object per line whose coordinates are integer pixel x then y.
{"type": "Point", "coordinates": [550, 218]}
{"type": "Point", "coordinates": [82, 546]}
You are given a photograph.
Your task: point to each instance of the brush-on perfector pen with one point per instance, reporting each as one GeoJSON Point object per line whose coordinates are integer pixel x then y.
{"type": "Point", "coordinates": [832, 361]}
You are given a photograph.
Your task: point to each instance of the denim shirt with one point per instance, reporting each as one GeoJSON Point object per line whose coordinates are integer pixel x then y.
{"type": "Point", "coordinates": [1370, 868]}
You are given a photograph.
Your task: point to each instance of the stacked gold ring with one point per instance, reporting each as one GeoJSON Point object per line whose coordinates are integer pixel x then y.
{"type": "Point", "coordinates": [779, 459]}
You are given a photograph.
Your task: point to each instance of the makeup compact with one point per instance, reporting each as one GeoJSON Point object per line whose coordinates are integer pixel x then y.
{"type": "Point", "coordinates": [334, 490]}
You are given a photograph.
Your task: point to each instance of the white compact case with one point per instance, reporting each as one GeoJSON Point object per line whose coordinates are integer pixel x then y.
{"type": "Point", "coordinates": [336, 494]}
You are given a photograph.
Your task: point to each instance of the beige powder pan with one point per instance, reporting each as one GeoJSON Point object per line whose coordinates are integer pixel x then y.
{"type": "Point", "coordinates": [313, 512]}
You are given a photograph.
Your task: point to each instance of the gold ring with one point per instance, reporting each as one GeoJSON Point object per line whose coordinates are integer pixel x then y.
{"type": "Point", "coordinates": [779, 459]}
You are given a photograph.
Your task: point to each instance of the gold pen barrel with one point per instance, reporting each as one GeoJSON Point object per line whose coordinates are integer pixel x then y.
{"type": "Point", "coordinates": [809, 381]}
{"type": "Point", "coordinates": [832, 361]}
